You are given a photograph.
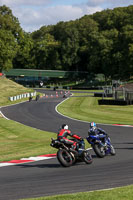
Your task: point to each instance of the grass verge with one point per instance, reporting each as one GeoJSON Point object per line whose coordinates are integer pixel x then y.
{"type": "Point", "coordinates": [9, 88]}
{"type": "Point", "coordinates": [18, 140]}
{"type": "Point", "coordinates": [124, 193]}
{"type": "Point", "coordinates": [87, 109]}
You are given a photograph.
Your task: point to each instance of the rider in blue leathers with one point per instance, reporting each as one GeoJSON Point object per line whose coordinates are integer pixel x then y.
{"type": "Point", "coordinates": [97, 131]}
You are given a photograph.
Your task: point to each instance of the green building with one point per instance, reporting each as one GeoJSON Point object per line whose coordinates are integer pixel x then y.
{"type": "Point", "coordinates": [34, 77]}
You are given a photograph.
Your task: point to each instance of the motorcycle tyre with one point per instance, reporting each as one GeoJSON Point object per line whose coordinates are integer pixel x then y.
{"type": "Point", "coordinates": [61, 158]}
{"type": "Point", "coordinates": [97, 150]}
{"type": "Point", "coordinates": [87, 158]}
{"type": "Point", "coordinates": [112, 150]}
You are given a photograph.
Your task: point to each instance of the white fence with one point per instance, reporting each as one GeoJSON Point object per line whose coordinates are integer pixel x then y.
{"type": "Point", "coordinates": [21, 96]}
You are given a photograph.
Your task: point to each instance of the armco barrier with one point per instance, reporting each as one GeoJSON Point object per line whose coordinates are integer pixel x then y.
{"type": "Point", "coordinates": [21, 96]}
{"type": "Point", "coordinates": [102, 94]}
{"type": "Point", "coordinates": [112, 102]}
{"type": "Point", "coordinates": [14, 98]}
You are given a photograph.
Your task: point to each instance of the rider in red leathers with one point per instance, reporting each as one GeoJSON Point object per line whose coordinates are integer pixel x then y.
{"type": "Point", "coordinates": [62, 136]}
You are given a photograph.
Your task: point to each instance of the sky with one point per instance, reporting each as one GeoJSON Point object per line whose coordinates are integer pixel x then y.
{"type": "Point", "coordinates": [33, 14]}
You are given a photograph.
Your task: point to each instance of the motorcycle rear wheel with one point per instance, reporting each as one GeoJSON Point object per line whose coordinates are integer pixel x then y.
{"type": "Point", "coordinates": [99, 150]}
{"type": "Point", "coordinates": [64, 158]}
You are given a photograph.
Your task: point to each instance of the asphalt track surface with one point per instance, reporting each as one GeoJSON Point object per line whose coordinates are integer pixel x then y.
{"type": "Point", "coordinates": [47, 177]}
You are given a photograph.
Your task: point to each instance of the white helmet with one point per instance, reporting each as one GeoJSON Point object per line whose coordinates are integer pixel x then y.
{"type": "Point", "coordinates": [65, 126]}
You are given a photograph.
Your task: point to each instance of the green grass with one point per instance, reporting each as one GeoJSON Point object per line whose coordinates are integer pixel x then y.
{"type": "Point", "coordinates": [124, 193]}
{"type": "Point", "coordinates": [9, 88]}
{"type": "Point", "coordinates": [87, 109]}
{"type": "Point", "coordinates": [17, 141]}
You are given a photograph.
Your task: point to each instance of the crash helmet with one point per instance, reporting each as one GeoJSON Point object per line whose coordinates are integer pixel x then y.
{"type": "Point", "coordinates": [65, 126]}
{"type": "Point", "coordinates": [93, 125]}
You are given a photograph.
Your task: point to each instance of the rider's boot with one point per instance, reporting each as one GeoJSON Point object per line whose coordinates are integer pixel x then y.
{"type": "Point", "coordinates": [73, 149]}
{"type": "Point", "coordinates": [105, 146]}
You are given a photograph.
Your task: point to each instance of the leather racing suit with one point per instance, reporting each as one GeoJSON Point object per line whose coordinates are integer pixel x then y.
{"type": "Point", "coordinates": [62, 136]}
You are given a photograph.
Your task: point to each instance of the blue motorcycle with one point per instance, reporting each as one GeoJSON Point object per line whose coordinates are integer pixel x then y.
{"type": "Point", "coordinates": [101, 144]}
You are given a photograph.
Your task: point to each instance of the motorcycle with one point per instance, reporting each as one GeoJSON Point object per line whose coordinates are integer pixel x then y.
{"type": "Point", "coordinates": [68, 156]}
{"type": "Point", "coordinates": [101, 145]}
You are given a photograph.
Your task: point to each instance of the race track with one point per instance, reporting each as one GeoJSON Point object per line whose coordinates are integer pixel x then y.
{"type": "Point", "coordinates": [47, 177]}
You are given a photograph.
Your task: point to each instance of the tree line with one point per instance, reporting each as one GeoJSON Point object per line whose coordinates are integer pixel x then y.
{"type": "Point", "coordinates": [97, 43]}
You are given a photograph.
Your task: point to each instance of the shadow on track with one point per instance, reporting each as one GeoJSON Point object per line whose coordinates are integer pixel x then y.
{"type": "Point", "coordinates": [40, 165]}
{"type": "Point", "coordinates": [50, 166]}
{"type": "Point", "coordinates": [29, 165]}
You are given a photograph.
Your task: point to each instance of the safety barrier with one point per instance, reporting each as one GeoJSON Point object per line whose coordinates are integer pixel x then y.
{"type": "Point", "coordinates": [21, 96]}
{"type": "Point", "coordinates": [28, 95]}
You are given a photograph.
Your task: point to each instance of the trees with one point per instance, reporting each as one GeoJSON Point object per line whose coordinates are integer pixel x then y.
{"type": "Point", "coordinates": [23, 58]}
{"type": "Point", "coordinates": [126, 36]}
{"type": "Point", "coordinates": [98, 43]}
{"type": "Point", "coordinates": [9, 34]}
{"type": "Point", "coordinates": [116, 54]}
{"type": "Point", "coordinates": [8, 49]}
{"type": "Point", "coordinates": [68, 36]}
{"type": "Point", "coordinates": [88, 34]}
{"type": "Point", "coordinates": [45, 54]}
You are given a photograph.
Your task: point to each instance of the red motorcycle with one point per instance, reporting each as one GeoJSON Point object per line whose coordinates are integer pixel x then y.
{"type": "Point", "coordinates": [68, 156]}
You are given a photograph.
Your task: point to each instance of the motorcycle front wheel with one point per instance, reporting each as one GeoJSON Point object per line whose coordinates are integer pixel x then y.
{"type": "Point", "coordinates": [99, 150]}
{"type": "Point", "coordinates": [87, 157]}
{"type": "Point", "coordinates": [64, 158]}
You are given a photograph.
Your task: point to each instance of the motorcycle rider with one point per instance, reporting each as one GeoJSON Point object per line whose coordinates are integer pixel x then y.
{"type": "Point", "coordinates": [62, 136]}
{"type": "Point", "coordinates": [97, 131]}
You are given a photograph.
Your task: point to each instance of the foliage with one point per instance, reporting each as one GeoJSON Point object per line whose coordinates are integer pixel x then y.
{"type": "Point", "coordinates": [45, 54]}
{"type": "Point", "coordinates": [10, 32]}
{"type": "Point", "coordinates": [8, 48]}
{"type": "Point", "coordinates": [97, 43]}
{"type": "Point", "coordinates": [23, 58]}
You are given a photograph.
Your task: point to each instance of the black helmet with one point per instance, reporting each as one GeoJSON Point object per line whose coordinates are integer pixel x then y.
{"type": "Point", "coordinates": [64, 126]}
